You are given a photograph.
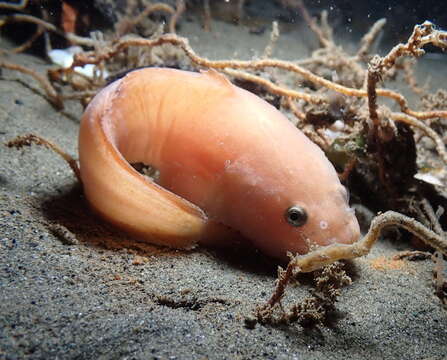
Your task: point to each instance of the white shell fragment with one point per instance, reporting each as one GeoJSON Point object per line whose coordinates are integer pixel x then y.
{"type": "Point", "coordinates": [335, 130]}
{"type": "Point", "coordinates": [64, 58]}
{"type": "Point", "coordinates": [61, 57]}
{"type": "Point", "coordinates": [428, 178]}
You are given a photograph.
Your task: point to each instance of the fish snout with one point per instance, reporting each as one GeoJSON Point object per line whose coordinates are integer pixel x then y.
{"type": "Point", "coordinates": [351, 231]}
{"type": "Point", "coordinates": [347, 231]}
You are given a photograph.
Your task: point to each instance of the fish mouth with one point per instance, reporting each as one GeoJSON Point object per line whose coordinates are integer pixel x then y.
{"type": "Point", "coordinates": [347, 232]}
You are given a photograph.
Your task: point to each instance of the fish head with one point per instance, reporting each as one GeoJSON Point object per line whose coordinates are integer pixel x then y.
{"type": "Point", "coordinates": [285, 195]}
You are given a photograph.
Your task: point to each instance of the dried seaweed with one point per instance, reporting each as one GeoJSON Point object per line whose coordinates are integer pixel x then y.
{"type": "Point", "coordinates": [317, 309]}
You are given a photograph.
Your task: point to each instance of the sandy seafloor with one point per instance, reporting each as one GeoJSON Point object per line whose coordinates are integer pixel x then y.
{"type": "Point", "coordinates": [108, 297]}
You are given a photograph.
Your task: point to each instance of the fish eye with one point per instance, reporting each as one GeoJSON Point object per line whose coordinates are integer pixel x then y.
{"type": "Point", "coordinates": [296, 215]}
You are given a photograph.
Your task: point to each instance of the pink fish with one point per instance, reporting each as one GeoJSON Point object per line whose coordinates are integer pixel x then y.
{"type": "Point", "coordinates": [229, 164]}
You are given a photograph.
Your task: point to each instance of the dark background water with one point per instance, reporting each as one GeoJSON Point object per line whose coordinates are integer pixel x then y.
{"type": "Point", "coordinates": [349, 18]}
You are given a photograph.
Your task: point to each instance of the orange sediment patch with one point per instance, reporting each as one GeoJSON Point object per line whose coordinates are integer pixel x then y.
{"type": "Point", "coordinates": [383, 263]}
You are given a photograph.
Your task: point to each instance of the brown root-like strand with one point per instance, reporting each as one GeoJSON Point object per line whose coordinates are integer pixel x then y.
{"type": "Point", "coordinates": [127, 24]}
{"type": "Point", "coordinates": [20, 5]}
{"type": "Point", "coordinates": [180, 8]}
{"type": "Point", "coordinates": [120, 45]}
{"type": "Point", "coordinates": [439, 144]}
{"type": "Point", "coordinates": [329, 254]}
{"type": "Point", "coordinates": [52, 94]}
{"type": "Point", "coordinates": [50, 27]}
{"type": "Point", "coordinates": [369, 38]}
{"type": "Point", "coordinates": [273, 88]}
{"type": "Point", "coordinates": [27, 140]}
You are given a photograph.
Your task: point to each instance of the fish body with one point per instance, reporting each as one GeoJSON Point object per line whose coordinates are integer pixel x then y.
{"type": "Point", "coordinates": [229, 163]}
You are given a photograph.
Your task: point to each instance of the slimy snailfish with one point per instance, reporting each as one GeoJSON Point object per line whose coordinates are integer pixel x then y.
{"type": "Point", "coordinates": [230, 165]}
